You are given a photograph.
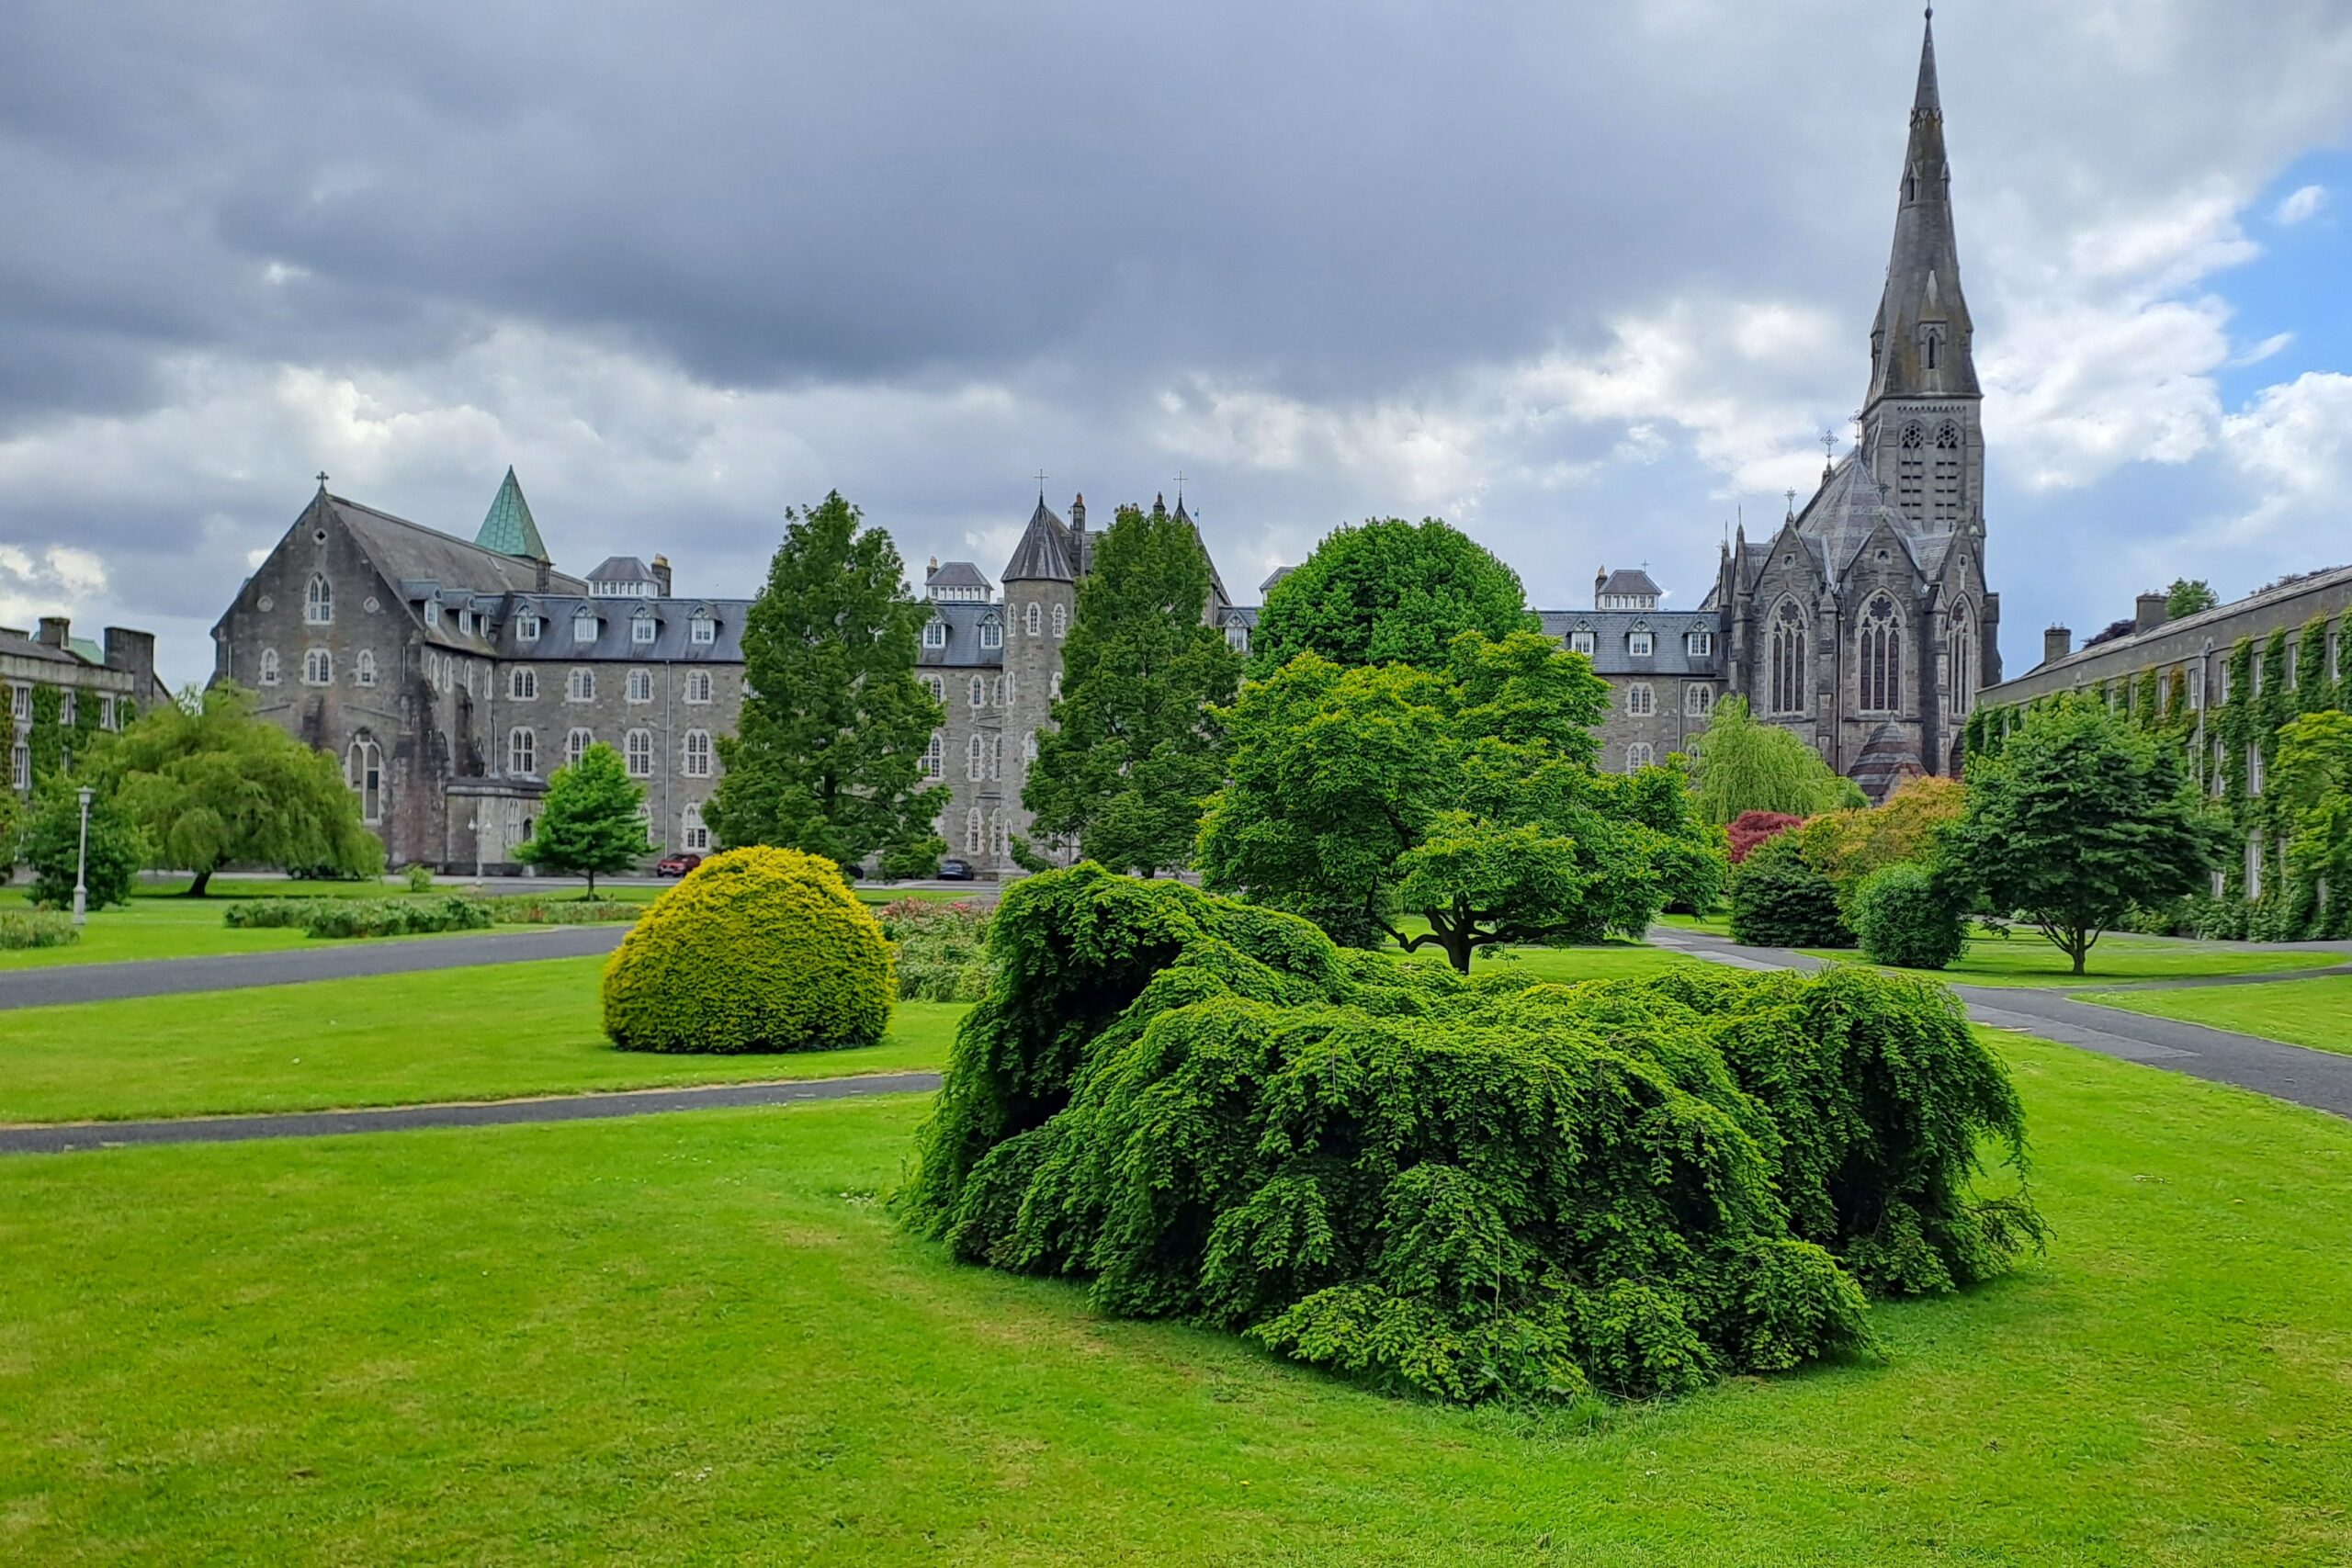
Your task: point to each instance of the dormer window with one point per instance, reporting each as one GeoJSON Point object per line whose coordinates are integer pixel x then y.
{"type": "Point", "coordinates": [1700, 645]}
{"type": "Point", "coordinates": [1639, 645]}
{"type": "Point", "coordinates": [583, 626]}
{"type": "Point", "coordinates": [465, 623]}
{"type": "Point", "coordinates": [527, 626]}
{"type": "Point", "coordinates": [934, 633]}
{"type": "Point", "coordinates": [432, 613]}
{"type": "Point", "coordinates": [1237, 637]}
{"type": "Point", "coordinates": [1581, 642]}
{"type": "Point", "coordinates": [703, 631]}
{"type": "Point", "coordinates": [641, 626]}
{"type": "Point", "coordinates": [992, 633]}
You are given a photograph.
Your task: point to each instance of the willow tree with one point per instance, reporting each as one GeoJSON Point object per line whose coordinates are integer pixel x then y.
{"type": "Point", "coordinates": [1740, 765]}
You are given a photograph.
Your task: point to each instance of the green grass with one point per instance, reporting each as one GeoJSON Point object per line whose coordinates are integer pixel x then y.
{"type": "Point", "coordinates": [698, 1338]}
{"type": "Point", "coordinates": [2025, 959]}
{"type": "Point", "coordinates": [2317, 1013]}
{"type": "Point", "coordinates": [492, 1032]}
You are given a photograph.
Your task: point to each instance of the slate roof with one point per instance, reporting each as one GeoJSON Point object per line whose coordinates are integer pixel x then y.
{"type": "Point", "coordinates": [1847, 509]}
{"type": "Point", "coordinates": [406, 552]}
{"type": "Point", "coordinates": [622, 569]}
{"type": "Point", "coordinates": [1216, 579]}
{"type": "Point", "coordinates": [673, 636]}
{"type": "Point", "coordinates": [1044, 553]}
{"type": "Point", "coordinates": [1275, 576]}
{"type": "Point", "coordinates": [1667, 628]}
{"type": "Point", "coordinates": [962, 647]}
{"type": "Point", "coordinates": [17, 645]}
{"type": "Point", "coordinates": [956, 574]}
{"type": "Point", "coordinates": [2214, 618]}
{"type": "Point", "coordinates": [507, 527]}
{"type": "Point", "coordinates": [1631, 580]}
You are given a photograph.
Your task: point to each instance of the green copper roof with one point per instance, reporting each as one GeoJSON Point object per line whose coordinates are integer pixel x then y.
{"type": "Point", "coordinates": [508, 528]}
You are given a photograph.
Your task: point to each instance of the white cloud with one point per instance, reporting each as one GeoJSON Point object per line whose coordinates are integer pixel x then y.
{"type": "Point", "coordinates": [2294, 443]}
{"type": "Point", "coordinates": [54, 580]}
{"type": "Point", "coordinates": [2302, 206]}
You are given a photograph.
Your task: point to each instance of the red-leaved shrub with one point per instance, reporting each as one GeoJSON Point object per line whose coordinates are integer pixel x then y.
{"type": "Point", "coordinates": [1750, 829]}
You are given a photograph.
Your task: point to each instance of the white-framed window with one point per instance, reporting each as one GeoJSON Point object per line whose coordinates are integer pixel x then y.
{"type": "Point", "coordinates": [1061, 620]}
{"type": "Point", "coordinates": [701, 631]}
{"type": "Point", "coordinates": [2253, 868]}
{"type": "Point", "coordinates": [527, 626]}
{"type": "Point", "coordinates": [66, 705]}
{"type": "Point", "coordinates": [2254, 768]}
{"type": "Point", "coordinates": [466, 675]}
{"type": "Point", "coordinates": [269, 670]}
{"type": "Point", "coordinates": [996, 691]}
{"type": "Point", "coordinates": [996, 831]}
{"type": "Point", "coordinates": [934, 757]}
{"type": "Point", "coordinates": [936, 686]}
{"type": "Point", "coordinates": [576, 743]}
{"type": "Point", "coordinates": [2226, 682]}
{"type": "Point", "coordinates": [363, 770]}
{"type": "Point", "coordinates": [980, 692]}
{"type": "Point", "coordinates": [934, 633]}
{"type": "Point", "coordinates": [433, 612]}
{"type": "Point", "coordinates": [318, 601]}
{"type": "Point", "coordinates": [1700, 645]}
{"type": "Point", "coordinates": [1640, 644]}
{"type": "Point", "coordinates": [580, 687]}
{"type": "Point", "coordinates": [641, 684]}
{"type": "Point", "coordinates": [1237, 637]}
{"type": "Point", "coordinates": [992, 633]}
{"type": "Point", "coordinates": [583, 626]}
{"type": "Point", "coordinates": [642, 628]}
{"type": "Point", "coordinates": [1641, 701]}
{"type": "Point", "coordinates": [975, 759]}
{"type": "Point", "coordinates": [523, 684]}
{"type": "Point", "coordinates": [971, 831]}
{"type": "Point", "coordinates": [1582, 642]}
{"type": "Point", "coordinates": [363, 668]}
{"type": "Point", "coordinates": [695, 756]}
{"type": "Point", "coordinates": [1639, 755]}
{"type": "Point", "coordinates": [318, 668]}
{"type": "Point", "coordinates": [465, 623]}
{"type": "Point", "coordinates": [1697, 701]}
{"type": "Point", "coordinates": [521, 751]}
{"type": "Point", "coordinates": [1029, 747]}
{"type": "Point", "coordinates": [106, 709]}
{"type": "Point", "coordinates": [698, 686]}
{"type": "Point", "coordinates": [995, 756]}
{"type": "Point", "coordinates": [1053, 686]}
{"type": "Point", "coordinates": [1032, 618]}
{"type": "Point", "coordinates": [637, 753]}
{"type": "Point", "coordinates": [1010, 698]}
{"type": "Point", "coordinates": [20, 768]}
{"type": "Point", "coordinates": [20, 698]}
{"type": "Point", "coordinates": [692, 834]}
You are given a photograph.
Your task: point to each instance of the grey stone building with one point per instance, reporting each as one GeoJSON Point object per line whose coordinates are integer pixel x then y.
{"type": "Point", "coordinates": [99, 685]}
{"type": "Point", "coordinates": [452, 677]}
{"type": "Point", "coordinates": [1864, 624]}
{"type": "Point", "coordinates": [1663, 665]}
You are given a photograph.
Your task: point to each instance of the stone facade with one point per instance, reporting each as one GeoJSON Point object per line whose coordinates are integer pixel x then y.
{"type": "Point", "coordinates": [114, 680]}
{"type": "Point", "coordinates": [452, 677]}
{"type": "Point", "coordinates": [1664, 667]}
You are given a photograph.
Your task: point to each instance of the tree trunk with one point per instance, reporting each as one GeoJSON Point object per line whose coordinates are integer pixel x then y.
{"type": "Point", "coordinates": [592, 887]}
{"type": "Point", "coordinates": [2080, 950]}
{"type": "Point", "coordinates": [203, 880]}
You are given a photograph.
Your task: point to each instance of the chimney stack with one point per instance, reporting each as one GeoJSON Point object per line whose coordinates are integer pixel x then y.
{"type": "Point", "coordinates": [2056, 643]}
{"type": "Point", "coordinates": [1078, 512]}
{"type": "Point", "coordinates": [661, 575]}
{"type": "Point", "coordinates": [133, 652]}
{"type": "Point", "coordinates": [53, 632]}
{"type": "Point", "coordinates": [2149, 613]}
{"type": "Point", "coordinates": [1597, 579]}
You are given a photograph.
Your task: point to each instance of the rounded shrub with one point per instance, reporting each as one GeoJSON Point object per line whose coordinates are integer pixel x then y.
{"type": "Point", "coordinates": [756, 949]}
{"type": "Point", "coordinates": [1902, 917]}
{"type": "Point", "coordinates": [1780, 899]}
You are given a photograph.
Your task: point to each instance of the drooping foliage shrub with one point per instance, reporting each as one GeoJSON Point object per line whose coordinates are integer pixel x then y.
{"type": "Point", "coordinates": [757, 949]}
{"type": "Point", "coordinates": [260, 914]}
{"type": "Point", "coordinates": [1904, 915]}
{"type": "Point", "coordinates": [21, 929]}
{"type": "Point", "coordinates": [1459, 1188]}
{"type": "Point", "coordinates": [1751, 829]}
{"type": "Point", "coordinates": [390, 917]}
{"type": "Point", "coordinates": [1779, 899]}
{"type": "Point", "coordinates": [943, 949]}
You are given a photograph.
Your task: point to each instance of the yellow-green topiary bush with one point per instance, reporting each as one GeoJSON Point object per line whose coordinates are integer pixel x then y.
{"type": "Point", "coordinates": [756, 949]}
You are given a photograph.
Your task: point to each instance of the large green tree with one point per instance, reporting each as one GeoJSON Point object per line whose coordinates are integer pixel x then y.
{"type": "Point", "coordinates": [1739, 764]}
{"type": "Point", "coordinates": [2313, 784]}
{"type": "Point", "coordinates": [208, 784]}
{"type": "Point", "coordinates": [1465, 796]}
{"type": "Point", "coordinates": [2080, 817]}
{"type": "Point", "coordinates": [828, 756]}
{"type": "Point", "coordinates": [589, 822]}
{"type": "Point", "coordinates": [1388, 591]}
{"type": "Point", "coordinates": [2188, 597]}
{"type": "Point", "coordinates": [1135, 749]}
{"type": "Point", "coordinates": [54, 846]}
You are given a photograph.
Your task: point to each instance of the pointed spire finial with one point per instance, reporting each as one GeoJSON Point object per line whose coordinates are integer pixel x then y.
{"type": "Point", "coordinates": [323, 481]}
{"type": "Point", "coordinates": [1928, 100]}
{"type": "Point", "coordinates": [1041, 487]}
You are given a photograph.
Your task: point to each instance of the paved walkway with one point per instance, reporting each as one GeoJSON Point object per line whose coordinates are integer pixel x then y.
{"type": "Point", "coordinates": [293, 965]}
{"type": "Point", "coordinates": [65, 1138]}
{"type": "Point", "coordinates": [2322, 1080]}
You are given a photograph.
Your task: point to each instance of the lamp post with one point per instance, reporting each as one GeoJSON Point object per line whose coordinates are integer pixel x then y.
{"type": "Point", "coordinates": [82, 864]}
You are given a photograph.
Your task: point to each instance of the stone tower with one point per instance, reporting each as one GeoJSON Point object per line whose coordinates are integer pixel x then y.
{"type": "Point", "coordinates": [1040, 603]}
{"type": "Point", "coordinates": [1864, 624]}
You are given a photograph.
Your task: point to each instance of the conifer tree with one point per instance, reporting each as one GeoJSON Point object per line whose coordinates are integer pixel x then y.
{"type": "Point", "coordinates": [829, 757]}
{"type": "Point", "coordinates": [589, 822]}
{"type": "Point", "coordinates": [1135, 750]}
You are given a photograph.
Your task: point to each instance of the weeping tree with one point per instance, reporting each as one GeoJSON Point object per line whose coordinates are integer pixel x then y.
{"type": "Point", "coordinates": [1740, 765]}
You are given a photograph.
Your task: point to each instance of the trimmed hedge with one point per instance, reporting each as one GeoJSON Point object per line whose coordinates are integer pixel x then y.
{"type": "Point", "coordinates": [21, 929]}
{"type": "Point", "coordinates": [392, 917]}
{"type": "Point", "coordinates": [1901, 917]}
{"type": "Point", "coordinates": [1459, 1188]}
{"type": "Point", "coordinates": [539, 910]}
{"type": "Point", "coordinates": [756, 949]}
{"type": "Point", "coordinates": [1779, 899]}
{"type": "Point", "coordinates": [943, 949]}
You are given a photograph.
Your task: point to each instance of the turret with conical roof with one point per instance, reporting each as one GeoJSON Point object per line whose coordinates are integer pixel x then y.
{"type": "Point", "coordinates": [507, 526]}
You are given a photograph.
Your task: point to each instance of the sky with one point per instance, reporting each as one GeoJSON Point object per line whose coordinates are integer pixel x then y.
{"type": "Point", "coordinates": [1589, 281]}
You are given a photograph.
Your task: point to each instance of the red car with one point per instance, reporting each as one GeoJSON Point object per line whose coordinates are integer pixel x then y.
{"type": "Point", "coordinates": [677, 864]}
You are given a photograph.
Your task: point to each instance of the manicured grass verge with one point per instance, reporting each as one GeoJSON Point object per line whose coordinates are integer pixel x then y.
{"type": "Point", "coordinates": [492, 1033]}
{"type": "Point", "coordinates": [698, 1338]}
{"type": "Point", "coordinates": [2317, 1013]}
{"type": "Point", "coordinates": [2026, 960]}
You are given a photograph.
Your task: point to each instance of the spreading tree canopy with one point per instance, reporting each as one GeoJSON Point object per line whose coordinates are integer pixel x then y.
{"type": "Point", "coordinates": [1467, 797]}
{"type": "Point", "coordinates": [828, 756]}
{"type": "Point", "coordinates": [1388, 592]}
{"type": "Point", "coordinates": [208, 784]}
{"type": "Point", "coordinates": [1134, 750]}
{"type": "Point", "coordinates": [589, 822]}
{"type": "Point", "coordinates": [2187, 596]}
{"type": "Point", "coordinates": [2078, 818]}
{"type": "Point", "coordinates": [1742, 766]}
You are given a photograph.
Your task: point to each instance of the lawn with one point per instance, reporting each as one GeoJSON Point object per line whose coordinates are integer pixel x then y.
{"type": "Point", "coordinates": [492, 1033]}
{"type": "Point", "coordinates": [2317, 1013]}
{"type": "Point", "coordinates": [1601, 961]}
{"type": "Point", "coordinates": [2025, 959]}
{"type": "Point", "coordinates": [697, 1338]}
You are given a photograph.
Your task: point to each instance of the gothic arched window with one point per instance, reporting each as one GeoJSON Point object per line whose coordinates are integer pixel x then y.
{"type": "Point", "coordinates": [363, 770]}
{"type": "Point", "coordinates": [1961, 640]}
{"type": "Point", "coordinates": [1911, 470]}
{"type": "Point", "coordinates": [1881, 658]}
{"type": "Point", "coordinates": [318, 602]}
{"type": "Point", "coordinates": [1786, 675]}
{"type": "Point", "coordinates": [1948, 444]}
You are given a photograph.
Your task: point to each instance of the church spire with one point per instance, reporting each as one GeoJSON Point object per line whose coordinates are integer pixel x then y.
{"type": "Point", "coordinates": [1920, 346]}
